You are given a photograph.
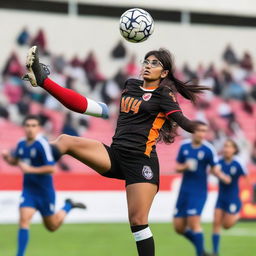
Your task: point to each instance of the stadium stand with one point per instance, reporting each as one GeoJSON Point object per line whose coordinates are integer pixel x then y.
{"type": "Point", "coordinates": [230, 110]}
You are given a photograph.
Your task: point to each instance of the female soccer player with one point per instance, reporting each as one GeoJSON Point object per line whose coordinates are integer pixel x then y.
{"type": "Point", "coordinates": [228, 203]}
{"type": "Point", "coordinates": [148, 110]}
{"type": "Point", "coordinates": [194, 157]}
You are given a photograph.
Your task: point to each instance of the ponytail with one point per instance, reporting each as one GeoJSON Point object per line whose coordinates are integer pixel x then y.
{"type": "Point", "coordinates": [169, 130]}
{"type": "Point", "coordinates": [188, 91]}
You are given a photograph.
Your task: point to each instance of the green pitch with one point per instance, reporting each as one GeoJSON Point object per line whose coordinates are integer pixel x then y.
{"type": "Point", "coordinates": [116, 240]}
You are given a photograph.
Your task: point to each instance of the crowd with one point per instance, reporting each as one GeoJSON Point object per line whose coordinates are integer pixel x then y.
{"type": "Point", "coordinates": [235, 81]}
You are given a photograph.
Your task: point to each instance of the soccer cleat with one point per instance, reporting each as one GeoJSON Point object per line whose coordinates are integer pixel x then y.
{"type": "Point", "coordinates": [75, 204]}
{"type": "Point", "coordinates": [37, 72]}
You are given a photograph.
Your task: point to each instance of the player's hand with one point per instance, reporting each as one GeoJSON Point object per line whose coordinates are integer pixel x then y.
{"type": "Point", "coordinates": [5, 154]}
{"type": "Point", "coordinates": [227, 179]}
{"type": "Point", "coordinates": [24, 167]}
{"type": "Point", "coordinates": [191, 165]}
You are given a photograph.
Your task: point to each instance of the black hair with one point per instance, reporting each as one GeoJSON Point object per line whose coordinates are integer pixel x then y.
{"type": "Point", "coordinates": [188, 91]}
{"type": "Point", "coordinates": [234, 144]}
{"type": "Point", "coordinates": [32, 117]}
{"type": "Point", "coordinates": [199, 123]}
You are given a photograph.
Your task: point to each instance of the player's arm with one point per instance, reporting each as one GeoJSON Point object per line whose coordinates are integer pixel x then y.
{"type": "Point", "coordinates": [45, 169]}
{"type": "Point", "coordinates": [7, 156]}
{"type": "Point", "coordinates": [181, 164]}
{"type": "Point", "coordinates": [172, 110]}
{"type": "Point", "coordinates": [183, 121]}
{"type": "Point", "coordinates": [216, 171]}
{"type": "Point", "coordinates": [181, 167]}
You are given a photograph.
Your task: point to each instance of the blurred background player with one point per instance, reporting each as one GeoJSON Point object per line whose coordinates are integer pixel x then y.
{"type": "Point", "coordinates": [34, 156]}
{"type": "Point", "coordinates": [228, 203]}
{"type": "Point", "coordinates": [193, 160]}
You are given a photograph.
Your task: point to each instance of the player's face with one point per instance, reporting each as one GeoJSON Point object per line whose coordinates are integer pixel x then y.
{"type": "Point", "coordinates": [32, 128]}
{"type": "Point", "coordinates": [200, 133]}
{"type": "Point", "coordinates": [152, 69]}
{"type": "Point", "coordinates": [228, 149]}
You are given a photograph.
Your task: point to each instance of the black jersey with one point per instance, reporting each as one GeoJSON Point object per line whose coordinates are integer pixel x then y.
{"type": "Point", "coordinates": [143, 113]}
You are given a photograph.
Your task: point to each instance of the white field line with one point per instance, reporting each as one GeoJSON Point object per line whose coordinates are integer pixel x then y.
{"type": "Point", "coordinates": [240, 232]}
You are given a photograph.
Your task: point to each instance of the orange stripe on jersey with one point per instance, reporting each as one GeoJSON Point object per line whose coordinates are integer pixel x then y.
{"type": "Point", "coordinates": [154, 132]}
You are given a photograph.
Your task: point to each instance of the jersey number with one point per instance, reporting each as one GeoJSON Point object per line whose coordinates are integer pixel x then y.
{"type": "Point", "coordinates": [130, 104]}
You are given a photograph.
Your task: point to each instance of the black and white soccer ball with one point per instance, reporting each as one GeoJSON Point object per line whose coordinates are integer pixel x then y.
{"type": "Point", "coordinates": [136, 25]}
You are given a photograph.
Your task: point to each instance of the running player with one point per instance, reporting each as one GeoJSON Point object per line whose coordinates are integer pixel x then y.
{"type": "Point", "coordinates": [193, 159]}
{"type": "Point", "coordinates": [148, 110]}
{"type": "Point", "coordinates": [228, 203]}
{"type": "Point", "coordinates": [33, 155]}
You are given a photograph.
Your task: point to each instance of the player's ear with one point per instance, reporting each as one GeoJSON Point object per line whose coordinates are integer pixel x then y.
{"type": "Point", "coordinates": [164, 73]}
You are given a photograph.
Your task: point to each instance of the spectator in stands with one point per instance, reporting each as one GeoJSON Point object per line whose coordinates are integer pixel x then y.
{"type": "Point", "coordinates": [132, 69]}
{"type": "Point", "coordinates": [13, 90]}
{"type": "Point", "coordinates": [13, 66]}
{"type": "Point", "coordinates": [76, 62]}
{"type": "Point", "coordinates": [229, 56]}
{"type": "Point", "coordinates": [24, 105]}
{"type": "Point", "coordinates": [200, 71]}
{"type": "Point", "coordinates": [90, 66]}
{"type": "Point", "coordinates": [68, 127]}
{"type": "Point", "coordinates": [76, 77]}
{"type": "Point", "coordinates": [23, 37]}
{"type": "Point", "coordinates": [120, 78]}
{"type": "Point", "coordinates": [247, 106]}
{"type": "Point", "coordinates": [110, 91]}
{"type": "Point", "coordinates": [253, 93]}
{"type": "Point", "coordinates": [119, 51]}
{"type": "Point", "coordinates": [232, 88]}
{"type": "Point", "coordinates": [4, 113]}
{"type": "Point", "coordinates": [246, 62]}
{"type": "Point", "coordinates": [59, 63]}
{"type": "Point", "coordinates": [225, 111]}
{"type": "Point", "coordinates": [188, 73]}
{"type": "Point", "coordinates": [40, 41]}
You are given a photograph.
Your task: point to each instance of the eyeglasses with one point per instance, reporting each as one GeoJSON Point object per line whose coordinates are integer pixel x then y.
{"type": "Point", "coordinates": [152, 63]}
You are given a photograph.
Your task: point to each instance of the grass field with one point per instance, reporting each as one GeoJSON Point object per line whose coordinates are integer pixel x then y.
{"type": "Point", "coordinates": [116, 240]}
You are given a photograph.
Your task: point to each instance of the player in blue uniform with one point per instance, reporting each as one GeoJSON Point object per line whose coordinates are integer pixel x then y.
{"type": "Point", "coordinates": [34, 156]}
{"type": "Point", "coordinates": [228, 203]}
{"type": "Point", "coordinates": [193, 160]}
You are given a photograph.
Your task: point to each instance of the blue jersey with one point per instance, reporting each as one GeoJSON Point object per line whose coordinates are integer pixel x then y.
{"type": "Point", "coordinates": [235, 169]}
{"type": "Point", "coordinates": [195, 180]}
{"type": "Point", "coordinates": [36, 154]}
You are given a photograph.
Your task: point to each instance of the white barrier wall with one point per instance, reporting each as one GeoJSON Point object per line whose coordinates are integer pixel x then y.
{"type": "Point", "coordinates": [239, 7]}
{"type": "Point", "coordinates": [103, 206]}
{"type": "Point", "coordinates": [78, 35]}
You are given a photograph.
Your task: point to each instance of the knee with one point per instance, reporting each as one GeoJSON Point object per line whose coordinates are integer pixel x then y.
{"type": "Point", "coordinates": [179, 230]}
{"type": "Point", "coordinates": [63, 138]}
{"type": "Point", "coordinates": [24, 223]}
{"type": "Point", "coordinates": [51, 228]}
{"type": "Point", "coordinates": [226, 225]}
{"type": "Point", "coordinates": [62, 143]}
{"type": "Point", "coordinates": [137, 219]}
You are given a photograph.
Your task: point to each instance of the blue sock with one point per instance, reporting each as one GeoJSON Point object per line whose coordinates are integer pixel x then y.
{"type": "Point", "coordinates": [23, 237]}
{"type": "Point", "coordinates": [199, 243]}
{"type": "Point", "coordinates": [189, 235]}
{"type": "Point", "coordinates": [216, 242]}
{"type": "Point", "coordinates": [67, 207]}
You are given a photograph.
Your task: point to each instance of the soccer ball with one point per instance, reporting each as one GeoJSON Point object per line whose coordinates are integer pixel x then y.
{"type": "Point", "coordinates": [136, 25]}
